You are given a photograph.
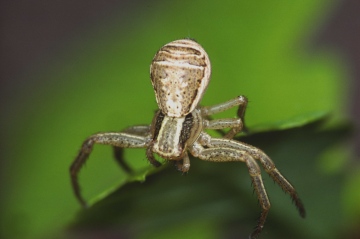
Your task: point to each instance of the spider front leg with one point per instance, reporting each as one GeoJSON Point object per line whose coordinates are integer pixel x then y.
{"type": "Point", "coordinates": [140, 130]}
{"type": "Point", "coordinates": [117, 139]}
{"type": "Point", "coordinates": [266, 162]}
{"type": "Point", "coordinates": [223, 154]}
{"type": "Point", "coordinates": [238, 124]}
{"type": "Point", "coordinates": [230, 150]}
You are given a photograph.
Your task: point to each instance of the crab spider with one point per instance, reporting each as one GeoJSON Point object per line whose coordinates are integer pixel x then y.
{"type": "Point", "coordinates": [180, 73]}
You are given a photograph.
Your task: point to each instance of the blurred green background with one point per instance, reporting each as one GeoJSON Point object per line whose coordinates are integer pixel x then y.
{"type": "Point", "coordinates": [99, 81]}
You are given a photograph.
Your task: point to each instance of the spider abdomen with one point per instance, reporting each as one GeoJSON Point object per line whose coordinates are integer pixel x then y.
{"type": "Point", "coordinates": [180, 73]}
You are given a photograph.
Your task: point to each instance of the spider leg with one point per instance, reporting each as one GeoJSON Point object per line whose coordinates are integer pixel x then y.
{"type": "Point", "coordinates": [241, 102]}
{"type": "Point", "coordinates": [123, 140]}
{"type": "Point", "coordinates": [266, 162]}
{"type": "Point", "coordinates": [223, 154]}
{"type": "Point", "coordinates": [241, 114]}
{"type": "Point", "coordinates": [222, 123]}
{"type": "Point", "coordinates": [150, 155]}
{"type": "Point", "coordinates": [141, 130]}
{"type": "Point", "coordinates": [119, 158]}
{"type": "Point", "coordinates": [183, 165]}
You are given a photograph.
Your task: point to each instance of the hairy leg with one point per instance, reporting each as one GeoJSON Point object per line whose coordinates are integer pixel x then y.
{"type": "Point", "coordinates": [123, 140]}
{"type": "Point", "coordinates": [266, 162]}
{"type": "Point", "coordinates": [241, 102]}
{"type": "Point", "coordinates": [222, 154]}
{"type": "Point", "coordinates": [140, 130]}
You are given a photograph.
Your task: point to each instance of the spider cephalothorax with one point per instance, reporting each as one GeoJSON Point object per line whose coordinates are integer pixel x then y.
{"type": "Point", "coordinates": [180, 73]}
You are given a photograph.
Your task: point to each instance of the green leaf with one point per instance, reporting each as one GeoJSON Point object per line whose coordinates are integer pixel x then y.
{"type": "Point", "coordinates": [136, 176]}
{"type": "Point", "coordinates": [294, 122]}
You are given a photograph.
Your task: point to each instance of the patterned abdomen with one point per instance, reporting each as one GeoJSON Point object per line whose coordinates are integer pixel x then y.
{"type": "Point", "coordinates": [180, 73]}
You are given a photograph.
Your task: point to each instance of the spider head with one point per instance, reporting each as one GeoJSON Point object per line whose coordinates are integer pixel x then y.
{"type": "Point", "coordinates": [180, 73]}
{"type": "Point", "coordinates": [172, 135]}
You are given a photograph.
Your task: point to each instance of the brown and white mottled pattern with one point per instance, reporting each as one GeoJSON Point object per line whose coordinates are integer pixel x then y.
{"type": "Point", "coordinates": [180, 73]}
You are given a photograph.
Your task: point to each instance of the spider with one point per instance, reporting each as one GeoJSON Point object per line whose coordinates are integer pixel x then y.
{"type": "Point", "coordinates": [180, 73]}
